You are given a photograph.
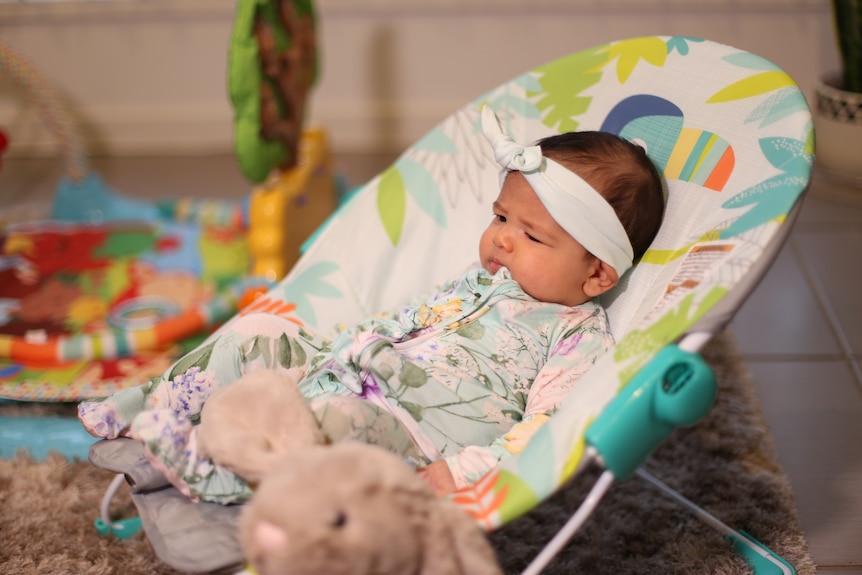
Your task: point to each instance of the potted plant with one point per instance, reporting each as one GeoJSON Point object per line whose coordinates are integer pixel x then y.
{"type": "Point", "coordinates": [839, 100]}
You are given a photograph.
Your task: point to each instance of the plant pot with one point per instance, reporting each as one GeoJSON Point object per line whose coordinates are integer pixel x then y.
{"type": "Point", "coordinates": [838, 128]}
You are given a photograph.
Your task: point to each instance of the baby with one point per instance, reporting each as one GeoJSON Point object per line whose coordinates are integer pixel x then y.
{"type": "Point", "coordinates": [463, 379]}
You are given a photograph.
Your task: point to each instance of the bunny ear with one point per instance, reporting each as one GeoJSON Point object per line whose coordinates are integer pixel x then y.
{"type": "Point", "coordinates": [457, 542]}
{"type": "Point", "coordinates": [269, 538]}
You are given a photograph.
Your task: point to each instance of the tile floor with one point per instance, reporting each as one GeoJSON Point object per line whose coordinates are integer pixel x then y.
{"type": "Point", "coordinates": [801, 335]}
{"type": "Point", "coordinates": [800, 331]}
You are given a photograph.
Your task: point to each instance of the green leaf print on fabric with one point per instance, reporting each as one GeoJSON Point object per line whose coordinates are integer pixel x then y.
{"type": "Point", "coordinates": [422, 187]}
{"type": "Point", "coordinates": [311, 282]}
{"type": "Point", "coordinates": [196, 358]}
{"type": "Point", "coordinates": [662, 257]}
{"type": "Point", "coordinates": [519, 497]}
{"type": "Point", "coordinates": [438, 142]}
{"type": "Point", "coordinates": [508, 98]}
{"type": "Point", "coordinates": [750, 61]}
{"type": "Point", "coordinates": [412, 375]}
{"type": "Point", "coordinates": [383, 371]}
{"type": "Point", "coordinates": [260, 347]}
{"type": "Point", "coordinates": [680, 44]}
{"type": "Point", "coordinates": [629, 53]}
{"type": "Point", "coordinates": [756, 85]}
{"type": "Point", "coordinates": [775, 196]}
{"type": "Point", "coordinates": [392, 203]}
{"type": "Point", "coordinates": [413, 409]}
{"type": "Point", "coordinates": [562, 80]}
{"type": "Point", "coordinates": [639, 346]}
{"type": "Point", "coordinates": [785, 98]}
{"type": "Point", "coordinates": [474, 330]}
{"type": "Point", "coordinates": [289, 353]}
{"type": "Point", "coordinates": [781, 104]}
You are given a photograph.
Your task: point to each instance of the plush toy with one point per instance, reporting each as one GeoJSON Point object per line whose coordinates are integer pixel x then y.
{"type": "Point", "coordinates": [249, 425]}
{"type": "Point", "coordinates": [355, 509]}
{"type": "Point", "coordinates": [347, 508]}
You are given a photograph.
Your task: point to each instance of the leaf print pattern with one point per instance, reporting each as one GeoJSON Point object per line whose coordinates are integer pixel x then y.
{"type": "Point", "coordinates": [310, 282]}
{"type": "Point", "coordinates": [392, 203]}
{"type": "Point", "coordinates": [639, 345]}
{"type": "Point", "coordinates": [681, 44]}
{"type": "Point", "coordinates": [563, 81]}
{"type": "Point", "coordinates": [774, 197]}
{"type": "Point", "coordinates": [629, 53]}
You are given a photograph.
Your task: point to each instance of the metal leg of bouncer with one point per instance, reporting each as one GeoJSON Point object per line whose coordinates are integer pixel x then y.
{"type": "Point", "coordinates": [677, 388]}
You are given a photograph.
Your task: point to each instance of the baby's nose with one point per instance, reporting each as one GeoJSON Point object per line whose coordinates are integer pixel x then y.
{"type": "Point", "coordinates": [503, 239]}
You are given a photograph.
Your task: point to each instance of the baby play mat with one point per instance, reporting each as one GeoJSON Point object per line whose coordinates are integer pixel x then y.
{"type": "Point", "coordinates": [109, 290]}
{"type": "Point", "coordinates": [86, 308]}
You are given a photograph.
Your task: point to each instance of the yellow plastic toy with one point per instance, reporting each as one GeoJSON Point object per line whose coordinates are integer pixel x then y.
{"type": "Point", "coordinates": [288, 208]}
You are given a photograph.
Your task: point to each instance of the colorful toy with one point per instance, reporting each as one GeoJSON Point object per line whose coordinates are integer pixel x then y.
{"type": "Point", "coordinates": [111, 289]}
{"type": "Point", "coordinates": [272, 66]}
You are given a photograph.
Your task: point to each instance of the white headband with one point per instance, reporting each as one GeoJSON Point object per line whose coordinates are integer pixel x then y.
{"type": "Point", "coordinates": [572, 202]}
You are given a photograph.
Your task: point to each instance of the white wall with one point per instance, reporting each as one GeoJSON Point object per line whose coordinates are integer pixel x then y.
{"type": "Point", "coordinates": [148, 76]}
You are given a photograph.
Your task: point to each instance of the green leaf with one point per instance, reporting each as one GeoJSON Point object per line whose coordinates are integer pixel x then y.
{"type": "Point", "coordinates": [412, 375]}
{"type": "Point", "coordinates": [289, 352]}
{"type": "Point", "coordinates": [283, 351]}
{"type": "Point", "coordinates": [474, 330]}
{"type": "Point", "coordinates": [781, 104]}
{"type": "Point", "coordinates": [639, 346]}
{"type": "Point", "coordinates": [753, 86]}
{"type": "Point", "coordinates": [383, 371]}
{"type": "Point", "coordinates": [311, 282]}
{"type": "Point", "coordinates": [680, 44]}
{"type": "Point", "coordinates": [298, 352]}
{"type": "Point", "coordinates": [773, 197]}
{"type": "Point", "coordinates": [413, 409]}
{"type": "Point", "coordinates": [254, 352]}
{"type": "Point", "coordinates": [422, 187]}
{"type": "Point", "coordinates": [631, 52]}
{"type": "Point", "coordinates": [197, 358]}
{"type": "Point", "coordinates": [562, 80]}
{"type": "Point", "coordinates": [392, 203]}
{"type": "Point", "coordinates": [750, 61]}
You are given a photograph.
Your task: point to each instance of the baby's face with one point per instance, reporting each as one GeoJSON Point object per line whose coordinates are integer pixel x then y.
{"type": "Point", "coordinates": [544, 259]}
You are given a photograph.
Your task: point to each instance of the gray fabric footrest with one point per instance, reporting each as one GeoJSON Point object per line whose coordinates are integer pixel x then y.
{"type": "Point", "coordinates": [192, 537]}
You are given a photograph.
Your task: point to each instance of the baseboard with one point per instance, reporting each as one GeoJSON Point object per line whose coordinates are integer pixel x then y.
{"type": "Point", "coordinates": [178, 130]}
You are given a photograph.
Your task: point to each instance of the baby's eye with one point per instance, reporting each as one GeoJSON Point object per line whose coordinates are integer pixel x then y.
{"type": "Point", "coordinates": [533, 239]}
{"type": "Point", "coordinates": [500, 218]}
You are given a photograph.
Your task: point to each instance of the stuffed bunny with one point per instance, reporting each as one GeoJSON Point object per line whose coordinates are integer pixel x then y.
{"type": "Point", "coordinates": [356, 509]}
{"type": "Point", "coordinates": [250, 424]}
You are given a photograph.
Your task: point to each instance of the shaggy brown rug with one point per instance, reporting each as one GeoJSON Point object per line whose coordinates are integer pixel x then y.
{"type": "Point", "coordinates": [726, 464]}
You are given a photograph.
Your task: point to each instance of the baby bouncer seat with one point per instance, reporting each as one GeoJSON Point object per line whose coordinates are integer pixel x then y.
{"type": "Point", "coordinates": [733, 137]}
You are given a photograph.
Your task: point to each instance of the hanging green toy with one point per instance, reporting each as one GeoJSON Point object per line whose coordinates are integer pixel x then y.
{"type": "Point", "coordinates": [272, 66]}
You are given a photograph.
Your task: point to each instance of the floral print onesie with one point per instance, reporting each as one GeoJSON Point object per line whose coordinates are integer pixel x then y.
{"type": "Point", "coordinates": [469, 375]}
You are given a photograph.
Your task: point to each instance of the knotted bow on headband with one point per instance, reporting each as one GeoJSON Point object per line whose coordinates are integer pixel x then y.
{"type": "Point", "coordinates": [572, 202]}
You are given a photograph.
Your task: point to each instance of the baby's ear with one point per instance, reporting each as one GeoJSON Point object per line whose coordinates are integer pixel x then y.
{"type": "Point", "coordinates": [602, 278]}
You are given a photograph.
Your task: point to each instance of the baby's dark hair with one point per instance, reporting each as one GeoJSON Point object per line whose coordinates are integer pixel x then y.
{"type": "Point", "coordinates": [621, 172]}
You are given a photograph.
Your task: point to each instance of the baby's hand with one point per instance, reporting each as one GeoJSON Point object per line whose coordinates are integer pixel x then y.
{"type": "Point", "coordinates": [438, 477]}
